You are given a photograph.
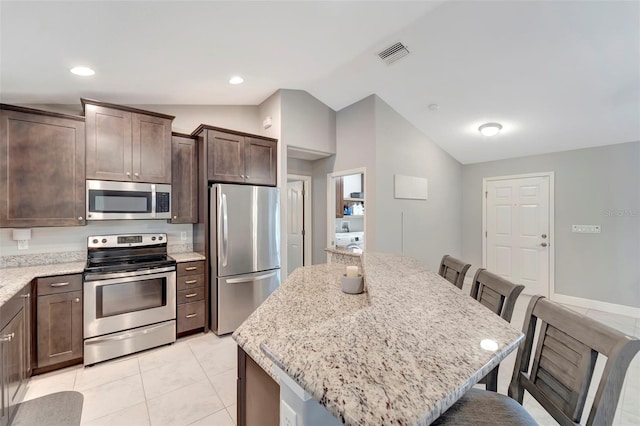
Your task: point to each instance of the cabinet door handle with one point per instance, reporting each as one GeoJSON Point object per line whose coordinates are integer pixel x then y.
{"type": "Point", "coordinates": [175, 217]}
{"type": "Point", "coordinates": [191, 281]}
{"type": "Point", "coordinates": [191, 315]}
{"type": "Point", "coordinates": [26, 296]}
{"type": "Point", "coordinates": [59, 284]}
{"type": "Point", "coordinates": [77, 300]}
{"type": "Point", "coordinates": [79, 217]}
{"type": "Point", "coordinates": [247, 176]}
{"type": "Point", "coordinates": [136, 175]}
{"type": "Point", "coordinates": [191, 295]}
{"type": "Point", "coordinates": [7, 337]}
{"type": "Point", "coordinates": [191, 268]}
{"type": "Point", "coordinates": [128, 174]}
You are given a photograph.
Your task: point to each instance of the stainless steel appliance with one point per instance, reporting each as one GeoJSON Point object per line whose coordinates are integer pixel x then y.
{"type": "Point", "coordinates": [245, 243]}
{"type": "Point", "coordinates": [108, 200]}
{"type": "Point", "coordinates": [129, 295]}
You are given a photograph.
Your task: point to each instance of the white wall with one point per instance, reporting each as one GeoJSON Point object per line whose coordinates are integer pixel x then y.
{"type": "Point", "coordinates": [243, 118]}
{"type": "Point", "coordinates": [308, 123]}
{"type": "Point", "coordinates": [74, 238]}
{"type": "Point", "coordinates": [594, 186]}
{"type": "Point", "coordinates": [355, 148]}
{"type": "Point", "coordinates": [300, 167]}
{"type": "Point", "coordinates": [430, 228]}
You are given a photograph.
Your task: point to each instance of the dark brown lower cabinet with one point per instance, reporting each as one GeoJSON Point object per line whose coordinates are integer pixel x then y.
{"type": "Point", "coordinates": [258, 394]}
{"type": "Point", "coordinates": [15, 349]}
{"type": "Point", "coordinates": [190, 309]}
{"type": "Point", "coordinates": [59, 321]}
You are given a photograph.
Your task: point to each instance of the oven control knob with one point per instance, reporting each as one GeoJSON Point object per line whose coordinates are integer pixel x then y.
{"type": "Point", "coordinates": [153, 238]}
{"type": "Point", "coordinates": [95, 241]}
{"type": "Point", "coordinates": [104, 241]}
{"type": "Point", "coordinates": [160, 238]}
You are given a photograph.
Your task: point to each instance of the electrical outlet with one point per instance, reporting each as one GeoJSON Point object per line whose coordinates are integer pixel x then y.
{"type": "Point", "coordinates": [23, 244]}
{"type": "Point", "coordinates": [183, 236]}
{"type": "Point", "coordinates": [288, 417]}
{"type": "Point", "coordinates": [586, 229]}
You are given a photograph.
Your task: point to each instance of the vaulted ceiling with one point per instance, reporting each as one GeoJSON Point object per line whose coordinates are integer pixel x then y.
{"type": "Point", "coordinates": [557, 75]}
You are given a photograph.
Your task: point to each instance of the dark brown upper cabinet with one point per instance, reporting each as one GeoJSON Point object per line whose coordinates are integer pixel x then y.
{"type": "Point", "coordinates": [127, 144]}
{"type": "Point", "coordinates": [42, 159]}
{"type": "Point", "coordinates": [184, 179]}
{"type": "Point", "coordinates": [236, 157]}
{"type": "Point", "coordinates": [225, 157]}
{"type": "Point", "coordinates": [260, 158]}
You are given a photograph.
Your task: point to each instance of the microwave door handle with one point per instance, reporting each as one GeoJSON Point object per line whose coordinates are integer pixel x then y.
{"type": "Point", "coordinates": [153, 200]}
{"type": "Point", "coordinates": [225, 230]}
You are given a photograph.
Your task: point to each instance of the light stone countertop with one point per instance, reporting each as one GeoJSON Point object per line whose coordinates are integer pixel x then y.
{"type": "Point", "coordinates": [187, 257]}
{"type": "Point", "coordinates": [402, 353]}
{"type": "Point", "coordinates": [14, 279]}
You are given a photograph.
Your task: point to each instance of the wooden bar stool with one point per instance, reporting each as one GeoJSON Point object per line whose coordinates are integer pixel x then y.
{"type": "Point", "coordinates": [453, 270]}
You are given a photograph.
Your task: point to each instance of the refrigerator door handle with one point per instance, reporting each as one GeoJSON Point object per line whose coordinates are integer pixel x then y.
{"type": "Point", "coordinates": [225, 230]}
{"type": "Point", "coordinates": [251, 279]}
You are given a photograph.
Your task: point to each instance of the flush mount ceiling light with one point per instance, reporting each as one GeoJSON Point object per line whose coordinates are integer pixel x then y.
{"type": "Point", "coordinates": [82, 71]}
{"type": "Point", "coordinates": [490, 129]}
{"type": "Point", "coordinates": [236, 79]}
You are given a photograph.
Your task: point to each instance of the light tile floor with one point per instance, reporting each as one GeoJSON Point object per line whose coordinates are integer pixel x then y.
{"type": "Point", "coordinates": [193, 382]}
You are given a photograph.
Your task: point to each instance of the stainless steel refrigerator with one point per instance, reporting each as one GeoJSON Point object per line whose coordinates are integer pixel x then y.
{"type": "Point", "coordinates": [244, 251]}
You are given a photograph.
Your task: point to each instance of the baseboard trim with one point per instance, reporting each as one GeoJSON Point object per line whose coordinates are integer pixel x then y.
{"type": "Point", "coordinates": [613, 308]}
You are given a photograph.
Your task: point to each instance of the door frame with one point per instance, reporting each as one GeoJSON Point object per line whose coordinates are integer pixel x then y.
{"type": "Point", "coordinates": [331, 208]}
{"type": "Point", "coordinates": [552, 234]}
{"type": "Point", "coordinates": [307, 212]}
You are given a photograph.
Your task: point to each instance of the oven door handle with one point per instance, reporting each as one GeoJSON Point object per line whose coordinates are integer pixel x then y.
{"type": "Point", "coordinates": [123, 336]}
{"type": "Point", "coordinates": [115, 275]}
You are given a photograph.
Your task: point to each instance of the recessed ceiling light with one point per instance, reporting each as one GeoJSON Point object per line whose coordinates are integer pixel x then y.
{"type": "Point", "coordinates": [490, 129]}
{"type": "Point", "coordinates": [83, 71]}
{"type": "Point", "coordinates": [236, 79]}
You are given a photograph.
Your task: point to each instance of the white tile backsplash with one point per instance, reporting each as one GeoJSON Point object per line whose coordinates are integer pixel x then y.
{"type": "Point", "coordinates": [74, 238]}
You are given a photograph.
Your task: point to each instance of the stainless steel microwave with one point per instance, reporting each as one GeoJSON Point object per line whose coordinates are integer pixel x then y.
{"type": "Point", "coordinates": [107, 200]}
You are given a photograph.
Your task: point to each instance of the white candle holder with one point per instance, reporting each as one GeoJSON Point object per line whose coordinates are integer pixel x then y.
{"type": "Point", "coordinates": [352, 285]}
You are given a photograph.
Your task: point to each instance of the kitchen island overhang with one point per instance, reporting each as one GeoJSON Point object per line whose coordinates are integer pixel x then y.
{"type": "Point", "coordinates": [404, 351]}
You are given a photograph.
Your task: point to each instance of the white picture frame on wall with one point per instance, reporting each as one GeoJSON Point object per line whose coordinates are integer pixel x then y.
{"type": "Point", "coordinates": [411, 187]}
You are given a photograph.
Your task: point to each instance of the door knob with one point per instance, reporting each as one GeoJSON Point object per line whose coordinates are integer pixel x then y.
{"type": "Point", "coordinates": [544, 244]}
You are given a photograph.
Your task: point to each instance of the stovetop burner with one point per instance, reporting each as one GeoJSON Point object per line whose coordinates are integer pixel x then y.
{"type": "Point", "coordinates": [124, 253]}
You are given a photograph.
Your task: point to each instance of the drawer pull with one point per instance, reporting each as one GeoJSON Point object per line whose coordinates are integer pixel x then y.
{"type": "Point", "coordinates": [7, 337]}
{"type": "Point", "coordinates": [191, 295]}
{"type": "Point", "coordinates": [191, 268]}
{"type": "Point", "coordinates": [191, 315]}
{"type": "Point", "coordinates": [59, 284]}
{"type": "Point", "coordinates": [191, 281]}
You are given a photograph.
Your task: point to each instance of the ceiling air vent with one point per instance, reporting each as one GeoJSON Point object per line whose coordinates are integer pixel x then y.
{"type": "Point", "coordinates": [393, 53]}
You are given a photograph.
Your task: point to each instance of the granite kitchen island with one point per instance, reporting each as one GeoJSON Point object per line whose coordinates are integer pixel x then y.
{"type": "Point", "coordinates": [402, 352]}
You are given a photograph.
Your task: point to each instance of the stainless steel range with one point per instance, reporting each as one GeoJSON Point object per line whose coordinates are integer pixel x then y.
{"type": "Point", "coordinates": [129, 295]}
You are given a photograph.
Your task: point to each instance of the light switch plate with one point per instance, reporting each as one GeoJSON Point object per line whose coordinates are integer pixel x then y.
{"type": "Point", "coordinates": [183, 235]}
{"type": "Point", "coordinates": [586, 229]}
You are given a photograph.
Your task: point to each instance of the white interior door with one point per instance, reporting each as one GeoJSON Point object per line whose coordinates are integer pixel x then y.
{"type": "Point", "coordinates": [295, 225]}
{"type": "Point", "coordinates": [517, 224]}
